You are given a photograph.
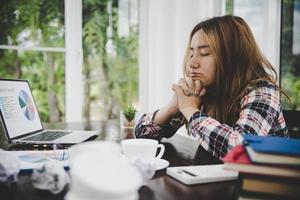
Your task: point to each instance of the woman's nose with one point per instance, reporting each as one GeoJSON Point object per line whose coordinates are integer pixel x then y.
{"type": "Point", "coordinates": [194, 63]}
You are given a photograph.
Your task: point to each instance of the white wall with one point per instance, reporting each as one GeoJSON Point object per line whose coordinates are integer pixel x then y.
{"type": "Point", "coordinates": [164, 31]}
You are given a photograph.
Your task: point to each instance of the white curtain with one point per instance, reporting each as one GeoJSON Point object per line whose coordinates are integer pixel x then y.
{"type": "Point", "coordinates": [263, 17]}
{"type": "Point", "coordinates": [165, 26]}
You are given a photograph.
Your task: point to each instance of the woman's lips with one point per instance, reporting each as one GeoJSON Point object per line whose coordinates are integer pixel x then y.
{"type": "Point", "coordinates": [195, 75]}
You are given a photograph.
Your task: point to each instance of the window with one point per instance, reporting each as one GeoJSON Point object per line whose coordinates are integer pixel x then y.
{"type": "Point", "coordinates": [32, 48]}
{"type": "Point", "coordinates": [290, 53]}
{"type": "Point", "coordinates": [290, 63]}
{"type": "Point", "coordinates": [110, 51]}
{"type": "Point", "coordinates": [80, 56]}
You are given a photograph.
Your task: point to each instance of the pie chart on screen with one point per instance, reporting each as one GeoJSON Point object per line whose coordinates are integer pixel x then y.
{"type": "Point", "coordinates": [26, 104]}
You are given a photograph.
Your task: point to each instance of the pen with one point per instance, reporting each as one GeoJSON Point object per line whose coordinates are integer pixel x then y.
{"type": "Point", "coordinates": [187, 172]}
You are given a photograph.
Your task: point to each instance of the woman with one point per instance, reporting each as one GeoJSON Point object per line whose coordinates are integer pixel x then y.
{"type": "Point", "coordinates": [229, 89]}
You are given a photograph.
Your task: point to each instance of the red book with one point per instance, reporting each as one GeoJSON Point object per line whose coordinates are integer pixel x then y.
{"type": "Point", "coordinates": [238, 159]}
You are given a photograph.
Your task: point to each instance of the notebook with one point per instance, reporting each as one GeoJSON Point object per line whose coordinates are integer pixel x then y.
{"type": "Point", "coordinates": [21, 121]}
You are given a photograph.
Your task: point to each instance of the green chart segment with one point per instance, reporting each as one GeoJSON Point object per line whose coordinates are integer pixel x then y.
{"type": "Point", "coordinates": [26, 104]}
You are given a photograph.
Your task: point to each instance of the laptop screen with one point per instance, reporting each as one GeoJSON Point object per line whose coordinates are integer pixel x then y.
{"type": "Point", "coordinates": [18, 109]}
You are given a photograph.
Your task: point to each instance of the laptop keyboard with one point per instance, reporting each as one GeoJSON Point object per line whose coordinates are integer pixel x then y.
{"type": "Point", "coordinates": [47, 136]}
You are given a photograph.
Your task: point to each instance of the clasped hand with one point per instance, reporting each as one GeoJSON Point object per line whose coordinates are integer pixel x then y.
{"type": "Point", "coordinates": [187, 97]}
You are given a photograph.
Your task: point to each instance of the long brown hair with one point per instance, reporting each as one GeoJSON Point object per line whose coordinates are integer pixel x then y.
{"type": "Point", "coordinates": [239, 65]}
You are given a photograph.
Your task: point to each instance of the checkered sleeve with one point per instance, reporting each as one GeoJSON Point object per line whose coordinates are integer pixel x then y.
{"type": "Point", "coordinates": [147, 128]}
{"type": "Point", "coordinates": [260, 112]}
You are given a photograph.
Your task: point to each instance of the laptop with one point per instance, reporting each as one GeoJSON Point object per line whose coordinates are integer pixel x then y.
{"type": "Point", "coordinates": [21, 121]}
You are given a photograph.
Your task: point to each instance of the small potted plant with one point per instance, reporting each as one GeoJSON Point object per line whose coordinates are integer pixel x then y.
{"type": "Point", "coordinates": [128, 116]}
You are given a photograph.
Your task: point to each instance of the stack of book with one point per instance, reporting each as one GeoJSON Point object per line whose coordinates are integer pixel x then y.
{"type": "Point", "coordinates": [269, 167]}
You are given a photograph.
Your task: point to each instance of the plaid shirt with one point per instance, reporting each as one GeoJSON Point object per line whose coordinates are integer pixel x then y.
{"type": "Point", "coordinates": [260, 114]}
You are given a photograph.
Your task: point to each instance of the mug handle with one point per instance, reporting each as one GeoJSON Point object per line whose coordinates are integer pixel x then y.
{"type": "Point", "coordinates": [161, 152]}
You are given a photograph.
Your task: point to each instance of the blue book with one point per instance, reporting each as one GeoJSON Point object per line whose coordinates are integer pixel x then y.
{"type": "Point", "coordinates": [273, 150]}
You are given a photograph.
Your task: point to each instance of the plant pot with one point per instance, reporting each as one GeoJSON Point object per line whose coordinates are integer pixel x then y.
{"type": "Point", "coordinates": [124, 123]}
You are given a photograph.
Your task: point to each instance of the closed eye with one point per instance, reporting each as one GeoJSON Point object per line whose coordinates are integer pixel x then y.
{"type": "Point", "coordinates": [205, 54]}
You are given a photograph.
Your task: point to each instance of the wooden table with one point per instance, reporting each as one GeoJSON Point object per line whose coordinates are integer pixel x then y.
{"type": "Point", "coordinates": [179, 151]}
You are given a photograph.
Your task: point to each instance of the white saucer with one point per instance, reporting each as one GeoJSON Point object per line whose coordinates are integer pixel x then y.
{"type": "Point", "coordinates": [161, 164]}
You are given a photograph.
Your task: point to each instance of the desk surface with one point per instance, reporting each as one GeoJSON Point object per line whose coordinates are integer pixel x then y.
{"type": "Point", "coordinates": [179, 151]}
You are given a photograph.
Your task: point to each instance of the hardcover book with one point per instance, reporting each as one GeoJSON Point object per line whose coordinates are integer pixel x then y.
{"type": "Point", "coordinates": [273, 150]}
{"type": "Point", "coordinates": [285, 187]}
{"type": "Point", "coordinates": [238, 159]}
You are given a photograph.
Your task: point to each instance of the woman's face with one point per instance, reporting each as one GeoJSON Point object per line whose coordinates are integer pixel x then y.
{"type": "Point", "coordinates": [201, 63]}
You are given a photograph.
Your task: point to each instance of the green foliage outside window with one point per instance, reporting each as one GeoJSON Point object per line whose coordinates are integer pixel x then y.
{"type": "Point", "coordinates": [38, 23]}
{"type": "Point", "coordinates": [290, 58]}
{"type": "Point", "coordinates": [110, 77]}
{"type": "Point", "coordinates": [229, 7]}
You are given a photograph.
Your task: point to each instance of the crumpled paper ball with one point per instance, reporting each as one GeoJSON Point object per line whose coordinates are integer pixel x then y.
{"type": "Point", "coordinates": [146, 168]}
{"type": "Point", "coordinates": [51, 176]}
{"type": "Point", "coordinates": [9, 166]}
{"type": "Point", "coordinates": [99, 171]}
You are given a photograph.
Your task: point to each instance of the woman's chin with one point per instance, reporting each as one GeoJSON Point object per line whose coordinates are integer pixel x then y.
{"type": "Point", "coordinates": [198, 79]}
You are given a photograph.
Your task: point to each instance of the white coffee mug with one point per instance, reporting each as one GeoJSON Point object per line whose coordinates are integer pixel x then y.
{"type": "Point", "coordinates": [142, 148]}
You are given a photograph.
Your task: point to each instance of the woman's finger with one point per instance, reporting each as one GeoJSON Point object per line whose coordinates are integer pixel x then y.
{"type": "Point", "coordinates": [198, 87]}
{"type": "Point", "coordinates": [182, 83]}
{"type": "Point", "coordinates": [177, 89]}
{"type": "Point", "coordinates": [190, 85]}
